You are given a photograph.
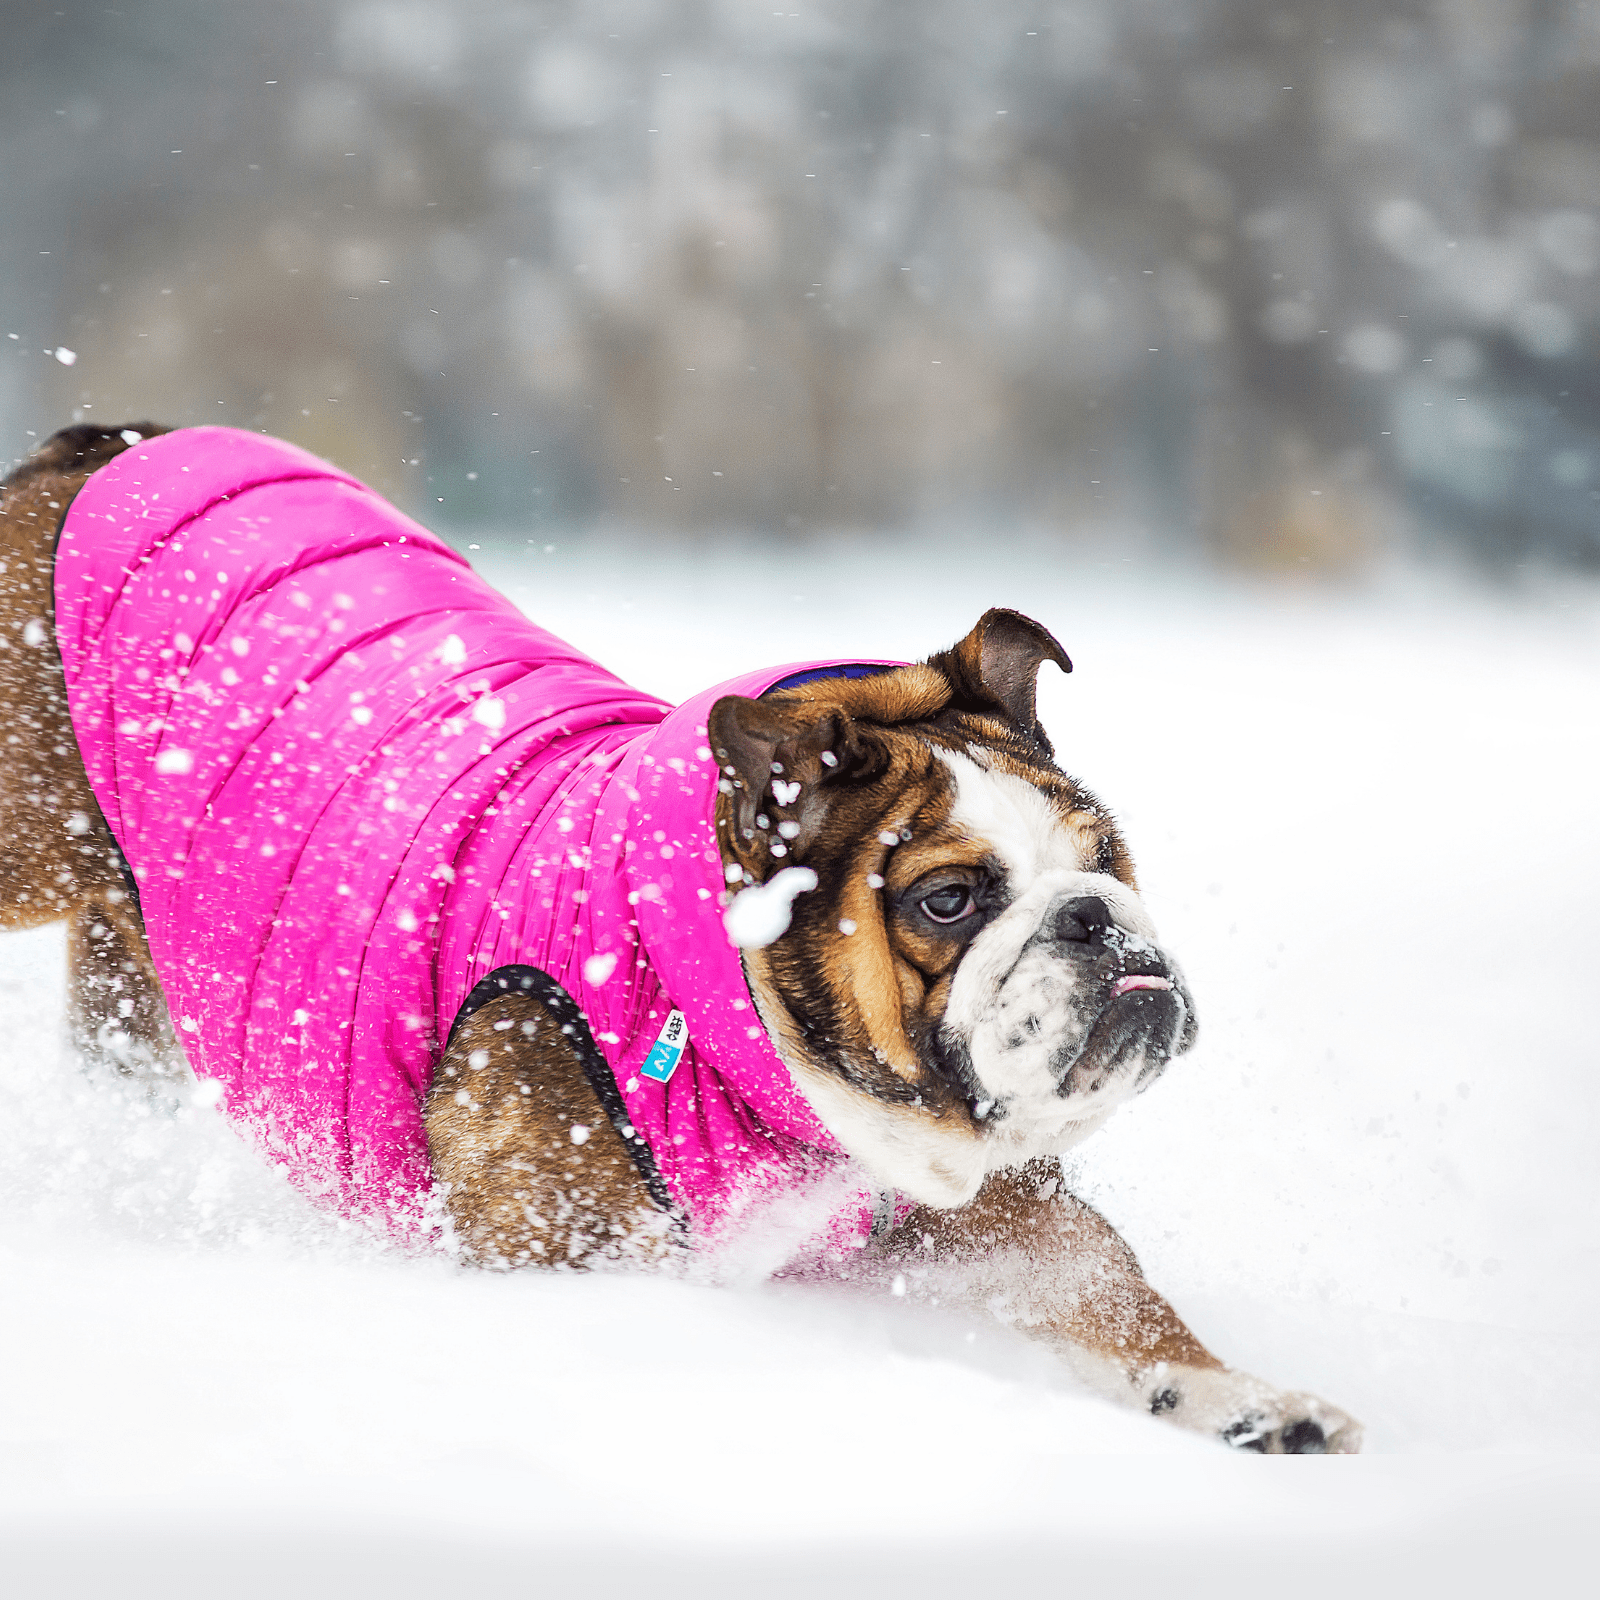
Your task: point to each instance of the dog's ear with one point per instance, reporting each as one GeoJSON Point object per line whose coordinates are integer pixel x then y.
{"type": "Point", "coordinates": [996, 667]}
{"type": "Point", "coordinates": [780, 766]}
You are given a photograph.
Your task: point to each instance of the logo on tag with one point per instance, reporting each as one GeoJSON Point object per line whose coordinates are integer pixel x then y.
{"type": "Point", "coordinates": [667, 1051]}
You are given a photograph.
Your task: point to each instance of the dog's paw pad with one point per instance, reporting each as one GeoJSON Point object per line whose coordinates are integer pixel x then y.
{"type": "Point", "coordinates": [1164, 1399]}
{"type": "Point", "coordinates": [1310, 1429]}
{"type": "Point", "coordinates": [1303, 1438]}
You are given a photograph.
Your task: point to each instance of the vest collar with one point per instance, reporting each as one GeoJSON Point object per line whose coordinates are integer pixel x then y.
{"type": "Point", "coordinates": [680, 902]}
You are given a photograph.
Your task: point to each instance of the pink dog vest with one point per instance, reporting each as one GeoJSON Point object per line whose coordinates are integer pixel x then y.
{"type": "Point", "coordinates": [354, 785]}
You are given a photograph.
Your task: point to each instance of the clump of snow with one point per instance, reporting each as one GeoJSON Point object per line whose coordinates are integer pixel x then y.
{"type": "Point", "coordinates": [490, 712]}
{"type": "Point", "coordinates": [760, 915]}
{"type": "Point", "coordinates": [598, 969]}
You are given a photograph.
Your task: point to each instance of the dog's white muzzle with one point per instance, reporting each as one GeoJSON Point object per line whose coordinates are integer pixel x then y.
{"type": "Point", "coordinates": [1064, 1007]}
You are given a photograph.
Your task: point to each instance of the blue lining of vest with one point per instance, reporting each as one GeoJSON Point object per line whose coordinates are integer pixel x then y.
{"type": "Point", "coordinates": [816, 674]}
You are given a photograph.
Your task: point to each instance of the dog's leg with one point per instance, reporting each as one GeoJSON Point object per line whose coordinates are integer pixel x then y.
{"type": "Point", "coordinates": [1053, 1267]}
{"type": "Point", "coordinates": [116, 1012]}
{"type": "Point", "coordinates": [534, 1173]}
{"type": "Point", "coordinates": [57, 857]}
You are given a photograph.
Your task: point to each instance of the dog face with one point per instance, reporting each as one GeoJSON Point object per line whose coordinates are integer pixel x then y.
{"type": "Point", "coordinates": [974, 979]}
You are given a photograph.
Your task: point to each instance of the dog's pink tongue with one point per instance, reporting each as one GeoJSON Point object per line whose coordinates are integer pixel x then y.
{"type": "Point", "coordinates": [1140, 980]}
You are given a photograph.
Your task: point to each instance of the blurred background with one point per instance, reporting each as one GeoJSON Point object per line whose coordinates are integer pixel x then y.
{"type": "Point", "coordinates": [1280, 286]}
{"type": "Point", "coordinates": [1255, 347]}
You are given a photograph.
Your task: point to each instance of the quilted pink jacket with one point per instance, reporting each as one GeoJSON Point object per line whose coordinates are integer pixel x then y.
{"type": "Point", "coordinates": [358, 791]}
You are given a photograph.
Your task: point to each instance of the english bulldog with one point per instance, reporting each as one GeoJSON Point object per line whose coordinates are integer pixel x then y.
{"type": "Point", "coordinates": [454, 918]}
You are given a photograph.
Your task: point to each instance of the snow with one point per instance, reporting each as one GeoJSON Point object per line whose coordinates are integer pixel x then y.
{"type": "Point", "coordinates": [760, 915]}
{"type": "Point", "coordinates": [1364, 821]}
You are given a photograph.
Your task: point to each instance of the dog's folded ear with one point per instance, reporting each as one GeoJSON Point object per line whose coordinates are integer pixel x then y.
{"type": "Point", "coordinates": [779, 766]}
{"type": "Point", "coordinates": [996, 668]}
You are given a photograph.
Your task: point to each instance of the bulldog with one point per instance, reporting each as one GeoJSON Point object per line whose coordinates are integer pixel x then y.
{"type": "Point", "coordinates": [454, 919]}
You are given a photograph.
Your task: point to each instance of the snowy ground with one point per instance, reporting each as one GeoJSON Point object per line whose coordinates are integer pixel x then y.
{"type": "Point", "coordinates": [1366, 822]}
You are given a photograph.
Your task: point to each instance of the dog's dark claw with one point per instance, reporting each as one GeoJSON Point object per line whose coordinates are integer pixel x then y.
{"type": "Point", "coordinates": [1248, 1433]}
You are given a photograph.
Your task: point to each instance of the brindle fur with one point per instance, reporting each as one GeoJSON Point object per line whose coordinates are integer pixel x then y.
{"type": "Point", "coordinates": [534, 1172]}
{"type": "Point", "coordinates": [510, 1089]}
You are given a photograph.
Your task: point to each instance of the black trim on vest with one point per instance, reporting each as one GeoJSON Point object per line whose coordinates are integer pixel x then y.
{"type": "Point", "coordinates": [130, 884]}
{"type": "Point", "coordinates": [540, 986]}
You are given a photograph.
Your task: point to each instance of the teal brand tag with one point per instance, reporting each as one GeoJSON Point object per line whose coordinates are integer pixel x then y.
{"type": "Point", "coordinates": [667, 1051]}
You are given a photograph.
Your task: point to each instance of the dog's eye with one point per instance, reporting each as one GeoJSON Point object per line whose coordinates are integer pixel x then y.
{"type": "Point", "coordinates": [949, 904]}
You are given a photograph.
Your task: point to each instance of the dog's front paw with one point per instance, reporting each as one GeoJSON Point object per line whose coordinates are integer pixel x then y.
{"type": "Point", "coordinates": [1295, 1425]}
{"type": "Point", "coordinates": [1247, 1414]}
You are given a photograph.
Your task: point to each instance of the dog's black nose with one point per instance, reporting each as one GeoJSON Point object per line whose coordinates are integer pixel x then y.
{"type": "Point", "coordinates": [1082, 920]}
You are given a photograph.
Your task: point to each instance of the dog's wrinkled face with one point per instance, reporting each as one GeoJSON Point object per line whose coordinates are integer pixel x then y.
{"type": "Point", "coordinates": [974, 979]}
